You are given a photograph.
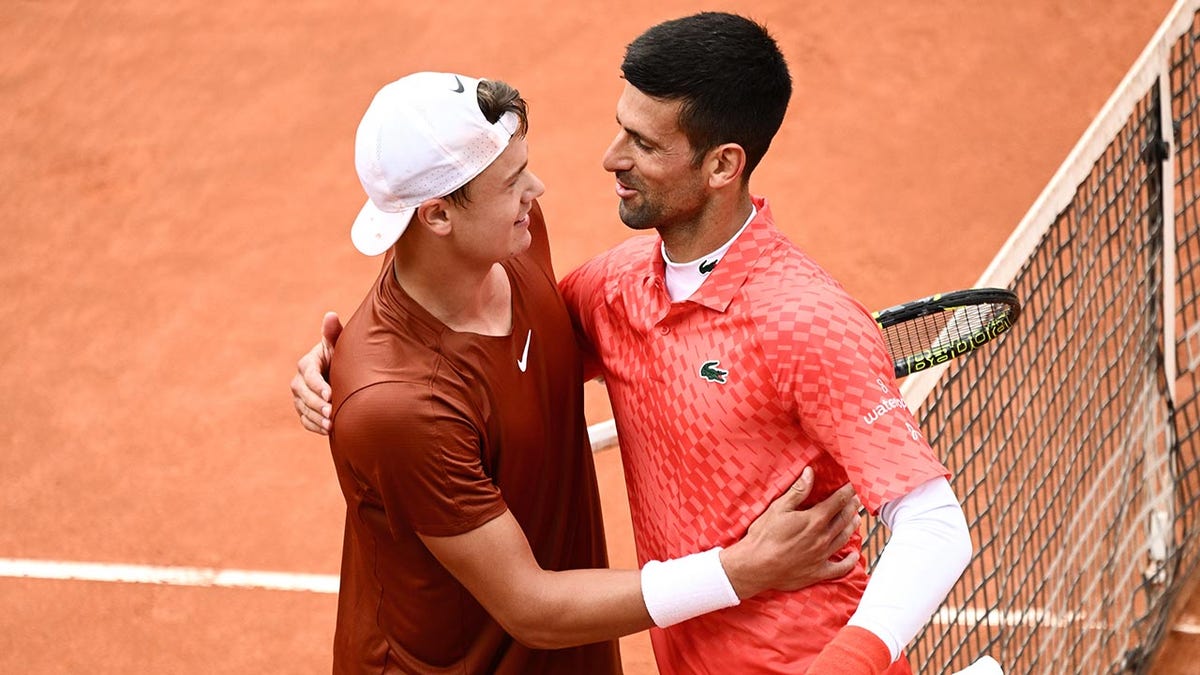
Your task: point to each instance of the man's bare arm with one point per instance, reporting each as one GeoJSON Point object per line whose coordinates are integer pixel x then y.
{"type": "Point", "coordinates": [551, 610]}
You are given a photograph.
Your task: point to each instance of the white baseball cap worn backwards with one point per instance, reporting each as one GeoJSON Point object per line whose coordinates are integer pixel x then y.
{"type": "Point", "coordinates": [423, 136]}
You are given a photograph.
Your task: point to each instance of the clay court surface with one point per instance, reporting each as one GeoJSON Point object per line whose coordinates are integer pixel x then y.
{"type": "Point", "coordinates": [177, 185]}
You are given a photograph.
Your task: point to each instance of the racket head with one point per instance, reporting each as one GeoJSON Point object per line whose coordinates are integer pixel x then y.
{"type": "Point", "coordinates": [928, 332]}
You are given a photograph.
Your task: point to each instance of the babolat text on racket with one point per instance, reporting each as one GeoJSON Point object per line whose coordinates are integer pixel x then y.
{"type": "Point", "coordinates": [928, 332]}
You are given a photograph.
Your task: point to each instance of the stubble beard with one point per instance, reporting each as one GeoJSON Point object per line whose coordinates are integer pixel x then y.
{"type": "Point", "coordinates": [640, 218]}
{"type": "Point", "coordinates": [668, 210]}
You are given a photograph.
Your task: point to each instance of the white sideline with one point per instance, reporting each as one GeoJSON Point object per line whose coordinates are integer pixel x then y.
{"type": "Point", "coordinates": [603, 434]}
{"type": "Point", "coordinates": [172, 576]}
{"type": "Point", "coordinates": [207, 577]}
{"type": "Point", "coordinates": [1186, 627]}
{"type": "Point", "coordinates": [984, 666]}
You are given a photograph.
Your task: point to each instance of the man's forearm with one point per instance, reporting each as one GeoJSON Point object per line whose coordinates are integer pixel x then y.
{"type": "Point", "coordinates": [551, 610]}
{"type": "Point", "coordinates": [575, 607]}
{"type": "Point", "coordinates": [785, 548]}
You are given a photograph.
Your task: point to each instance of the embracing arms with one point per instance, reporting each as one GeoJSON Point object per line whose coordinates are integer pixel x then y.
{"type": "Point", "coordinates": [548, 610]}
{"type": "Point", "coordinates": [784, 548]}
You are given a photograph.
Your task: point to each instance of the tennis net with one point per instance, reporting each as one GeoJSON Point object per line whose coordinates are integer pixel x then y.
{"type": "Point", "coordinates": [1074, 441]}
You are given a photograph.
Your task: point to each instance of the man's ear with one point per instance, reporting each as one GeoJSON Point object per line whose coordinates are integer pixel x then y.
{"type": "Point", "coordinates": [725, 164]}
{"type": "Point", "coordinates": [434, 215]}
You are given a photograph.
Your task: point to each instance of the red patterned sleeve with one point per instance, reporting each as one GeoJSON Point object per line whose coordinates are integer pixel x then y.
{"type": "Point", "coordinates": [837, 373]}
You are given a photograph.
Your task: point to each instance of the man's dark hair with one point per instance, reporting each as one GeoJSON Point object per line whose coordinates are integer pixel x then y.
{"type": "Point", "coordinates": [495, 97]}
{"type": "Point", "coordinates": [726, 70]}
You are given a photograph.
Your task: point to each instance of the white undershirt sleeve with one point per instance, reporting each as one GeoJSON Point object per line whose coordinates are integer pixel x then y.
{"type": "Point", "coordinates": [926, 553]}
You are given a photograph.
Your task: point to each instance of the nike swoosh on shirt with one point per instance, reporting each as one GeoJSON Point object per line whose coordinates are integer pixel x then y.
{"type": "Point", "coordinates": [524, 360]}
{"type": "Point", "coordinates": [460, 85]}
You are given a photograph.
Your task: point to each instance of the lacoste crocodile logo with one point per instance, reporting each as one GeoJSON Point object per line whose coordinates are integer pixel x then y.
{"type": "Point", "coordinates": [460, 86]}
{"type": "Point", "coordinates": [706, 267]}
{"type": "Point", "coordinates": [710, 372]}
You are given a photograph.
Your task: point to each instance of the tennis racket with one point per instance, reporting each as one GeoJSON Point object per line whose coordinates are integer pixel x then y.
{"type": "Point", "coordinates": [928, 332]}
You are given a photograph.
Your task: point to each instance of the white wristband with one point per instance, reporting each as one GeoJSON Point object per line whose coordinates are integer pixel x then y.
{"type": "Point", "coordinates": [684, 588]}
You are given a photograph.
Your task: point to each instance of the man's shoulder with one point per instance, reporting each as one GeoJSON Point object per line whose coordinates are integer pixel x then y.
{"type": "Point", "coordinates": [600, 276]}
{"type": "Point", "coordinates": [791, 297]}
{"type": "Point", "coordinates": [418, 415]}
{"type": "Point", "coordinates": [632, 254]}
{"type": "Point", "coordinates": [376, 359]}
{"type": "Point", "coordinates": [785, 276]}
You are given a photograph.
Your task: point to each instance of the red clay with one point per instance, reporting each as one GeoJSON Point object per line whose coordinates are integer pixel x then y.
{"type": "Point", "coordinates": [178, 187]}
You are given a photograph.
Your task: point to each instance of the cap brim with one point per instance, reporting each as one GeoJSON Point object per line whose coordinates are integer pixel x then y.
{"type": "Point", "coordinates": [375, 231]}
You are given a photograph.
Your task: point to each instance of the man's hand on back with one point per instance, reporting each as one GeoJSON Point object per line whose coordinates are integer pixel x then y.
{"type": "Point", "coordinates": [787, 548]}
{"type": "Point", "coordinates": [310, 387]}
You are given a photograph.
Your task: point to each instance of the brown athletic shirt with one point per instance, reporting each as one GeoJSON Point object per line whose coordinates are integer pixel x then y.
{"type": "Point", "coordinates": [437, 432]}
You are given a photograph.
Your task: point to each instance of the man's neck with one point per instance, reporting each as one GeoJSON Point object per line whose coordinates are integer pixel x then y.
{"type": "Point", "coordinates": [715, 226]}
{"type": "Point", "coordinates": [467, 299]}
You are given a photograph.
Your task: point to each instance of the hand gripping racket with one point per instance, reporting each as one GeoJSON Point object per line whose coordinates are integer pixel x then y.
{"type": "Point", "coordinates": [928, 332]}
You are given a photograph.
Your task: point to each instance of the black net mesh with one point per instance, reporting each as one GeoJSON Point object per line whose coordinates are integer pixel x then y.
{"type": "Point", "coordinates": [1074, 448]}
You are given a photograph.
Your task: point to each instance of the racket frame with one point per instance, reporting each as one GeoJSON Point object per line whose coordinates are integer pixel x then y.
{"type": "Point", "coordinates": [908, 364]}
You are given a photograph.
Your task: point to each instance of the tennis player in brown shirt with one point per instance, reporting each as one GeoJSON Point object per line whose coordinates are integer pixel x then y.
{"type": "Point", "coordinates": [473, 539]}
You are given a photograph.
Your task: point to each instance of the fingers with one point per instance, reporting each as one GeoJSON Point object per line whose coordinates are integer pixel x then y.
{"type": "Point", "coordinates": [794, 496]}
{"type": "Point", "coordinates": [310, 392]}
{"type": "Point", "coordinates": [312, 368]}
{"type": "Point", "coordinates": [841, 499]}
{"type": "Point", "coordinates": [836, 569]}
{"type": "Point", "coordinates": [852, 508]}
{"type": "Point", "coordinates": [842, 527]}
{"type": "Point", "coordinates": [310, 389]}
{"type": "Point", "coordinates": [313, 410]}
{"type": "Point", "coordinates": [317, 427]}
{"type": "Point", "coordinates": [331, 328]}
{"type": "Point", "coordinates": [836, 518]}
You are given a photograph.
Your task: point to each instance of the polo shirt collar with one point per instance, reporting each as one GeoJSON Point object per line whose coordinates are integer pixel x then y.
{"type": "Point", "coordinates": [723, 282]}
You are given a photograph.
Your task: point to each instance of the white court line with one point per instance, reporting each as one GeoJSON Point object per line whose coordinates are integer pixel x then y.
{"type": "Point", "coordinates": [328, 583]}
{"type": "Point", "coordinates": [173, 576]}
{"type": "Point", "coordinates": [25, 568]}
{"type": "Point", "coordinates": [969, 616]}
{"type": "Point", "coordinates": [603, 435]}
{"type": "Point", "coordinates": [1186, 627]}
{"type": "Point", "coordinates": [207, 577]}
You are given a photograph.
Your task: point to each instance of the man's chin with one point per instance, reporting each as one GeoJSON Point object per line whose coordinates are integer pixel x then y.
{"type": "Point", "coordinates": [634, 219]}
{"type": "Point", "coordinates": [523, 244]}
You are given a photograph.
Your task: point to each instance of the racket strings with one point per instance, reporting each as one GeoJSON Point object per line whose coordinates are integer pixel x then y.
{"type": "Point", "coordinates": [932, 332]}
